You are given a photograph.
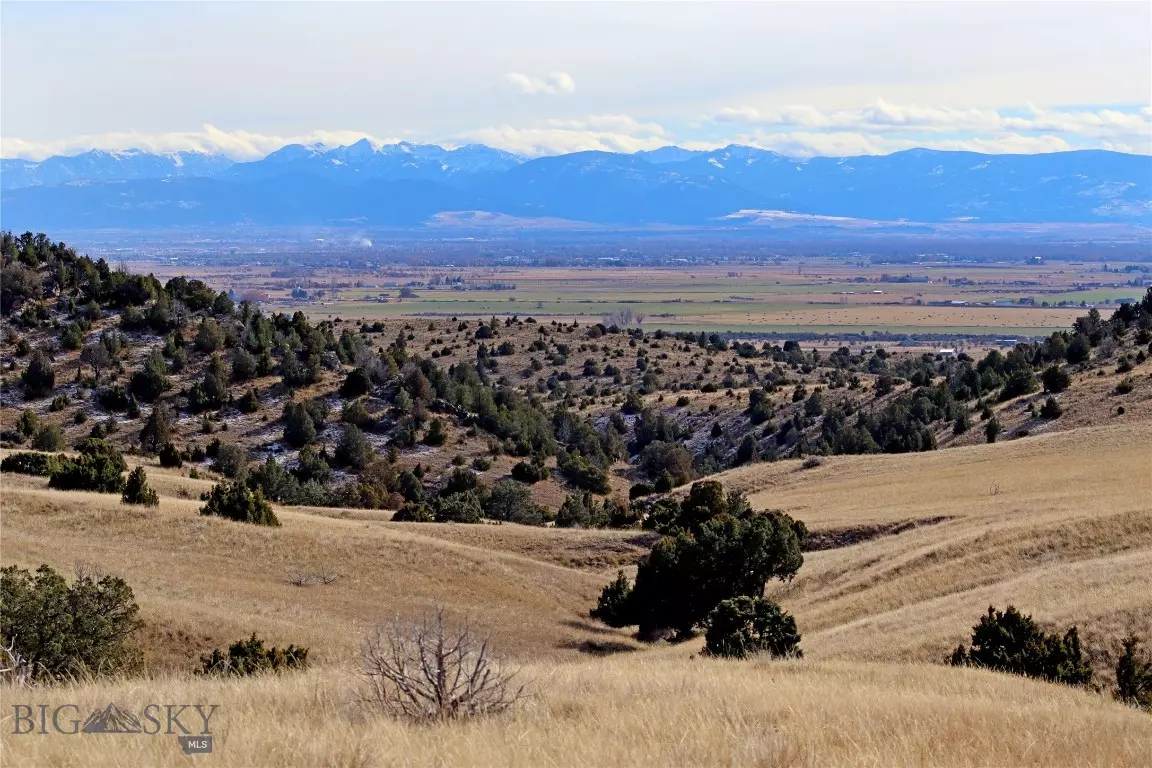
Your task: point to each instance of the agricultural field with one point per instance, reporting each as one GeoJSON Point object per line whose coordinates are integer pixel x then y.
{"type": "Point", "coordinates": [815, 297]}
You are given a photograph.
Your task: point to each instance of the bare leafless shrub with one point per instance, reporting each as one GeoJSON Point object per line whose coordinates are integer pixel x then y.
{"type": "Point", "coordinates": [87, 570]}
{"type": "Point", "coordinates": [428, 672]}
{"type": "Point", "coordinates": [14, 668]}
{"type": "Point", "coordinates": [311, 578]}
{"type": "Point", "coordinates": [1107, 348]}
{"type": "Point", "coordinates": [621, 318]}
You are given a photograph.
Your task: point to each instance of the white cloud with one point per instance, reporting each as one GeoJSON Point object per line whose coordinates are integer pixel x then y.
{"type": "Point", "coordinates": [883, 114]}
{"type": "Point", "coordinates": [609, 133]}
{"type": "Point", "coordinates": [611, 124]}
{"type": "Point", "coordinates": [881, 121]}
{"type": "Point", "coordinates": [555, 83]}
{"type": "Point", "coordinates": [239, 145]}
{"type": "Point", "coordinates": [847, 143]}
{"type": "Point", "coordinates": [606, 133]}
{"type": "Point", "coordinates": [879, 127]}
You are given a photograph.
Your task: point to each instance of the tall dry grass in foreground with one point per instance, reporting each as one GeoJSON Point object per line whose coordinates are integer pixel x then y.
{"type": "Point", "coordinates": [631, 712]}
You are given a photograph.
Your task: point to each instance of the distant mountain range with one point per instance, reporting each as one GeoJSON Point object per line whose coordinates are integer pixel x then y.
{"type": "Point", "coordinates": [406, 185]}
{"type": "Point", "coordinates": [103, 165]}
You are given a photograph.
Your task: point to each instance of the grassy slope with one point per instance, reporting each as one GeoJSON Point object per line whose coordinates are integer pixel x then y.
{"type": "Point", "coordinates": [1055, 523]}
{"type": "Point", "coordinates": [1091, 400]}
{"type": "Point", "coordinates": [1058, 524]}
{"type": "Point", "coordinates": [205, 581]}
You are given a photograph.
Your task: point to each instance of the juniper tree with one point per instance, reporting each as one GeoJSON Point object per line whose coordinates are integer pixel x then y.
{"type": "Point", "coordinates": [298, 427]}
{"type": "Point", "coordinates": [744, 626]}
{"type": "Point", "coordinates": [1011, 641]}
{"type": "Point", "coordinates": [235, 501]}
{"type": "Point", "coordinates": [99, 467]}
{"type": "Point", "coordinates": [353, 449]}
{"type": "Point", "coordinates": [151, 381]}
{"type": "Point", "coordinates": [63, 630]}
{"type": "Point", "coordinates": [137, 490]}
{"type": "Point", "coordinates": [435, 434]}
{"type": "Point", "coordinates": [1133, 676]}
{"type": "Point", "coordinates": [718, 549]}
{"type": "Point", "coordinates": [157, 432]}
{"type": "Point", "coordinates": [39, 378]}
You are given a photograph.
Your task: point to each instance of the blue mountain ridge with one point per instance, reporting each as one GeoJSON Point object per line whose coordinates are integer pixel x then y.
{"type": "Point", "coordinates": [405, 184]}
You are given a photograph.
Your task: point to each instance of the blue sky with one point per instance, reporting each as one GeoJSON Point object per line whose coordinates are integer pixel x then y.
{"type": "Point", "coordinates": [812, 78]}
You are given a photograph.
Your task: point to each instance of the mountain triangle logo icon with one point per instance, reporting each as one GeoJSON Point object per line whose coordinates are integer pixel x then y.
{"type": "Point", "coordinates": [111, 719]}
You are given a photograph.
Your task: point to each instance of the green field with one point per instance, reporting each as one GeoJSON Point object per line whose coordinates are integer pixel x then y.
{"type": "Point", "coordinates": [590, 307]}
{"type": "Point", "coordinates": [776, 299]}
{"type": "Point", "coordinates": [1091, 295]}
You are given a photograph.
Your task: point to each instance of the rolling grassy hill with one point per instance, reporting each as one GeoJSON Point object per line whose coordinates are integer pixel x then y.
{"type": "Point", "coordinates": [203, 582]}
{"type": "Point", "coordinates": [1056, 524]}
{"type": "Point", "coordinates": [915, 547]}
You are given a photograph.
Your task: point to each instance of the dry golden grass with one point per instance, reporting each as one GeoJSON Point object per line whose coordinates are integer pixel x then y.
{"type": "Point", "coordinates": [1058, 524]}
{"type": "Point", "coordinates": [590, 550]}
{"type": "Point", "coordinates": [1085, 472]}
{"type": "Point", "coordinates": [930, 319]}
{"type": "Point", "coordinates": [631, 711]}
{"type": "Point", "coordinates": [202, 582]}
{"type": "Point", "coordinates": [1092, 400]}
